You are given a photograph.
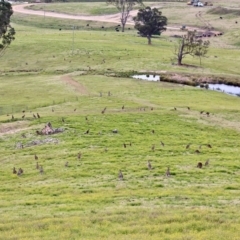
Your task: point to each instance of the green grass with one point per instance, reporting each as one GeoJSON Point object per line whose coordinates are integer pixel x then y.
{"type": "Point", "coordinates": [192, 203]}
{"type": "Point", "coordinates": [92, 48]}
{"type": "Point", "coordinates": [39, 74]}
{"type": "Point", "coordinates": [77, 8]}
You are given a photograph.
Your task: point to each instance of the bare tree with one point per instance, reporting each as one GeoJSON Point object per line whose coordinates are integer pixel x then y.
{"type": "Point", "coordinates": [124, 7]}
{"type": "Point", "coordinates": [189, 44]}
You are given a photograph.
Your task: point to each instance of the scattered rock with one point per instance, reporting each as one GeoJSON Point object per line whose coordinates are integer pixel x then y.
{"type": "Point", "coordinates": [48, 130]}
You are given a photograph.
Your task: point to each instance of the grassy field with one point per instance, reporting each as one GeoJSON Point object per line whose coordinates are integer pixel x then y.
{"type": "Point", "coordinates": [97, 49]}
{"type": "Point", "coordinates": [68, 85]}
{"type": "Point", "coordinates": [86, 199]}
{"type": "Point", "coordinates": [74, 8]}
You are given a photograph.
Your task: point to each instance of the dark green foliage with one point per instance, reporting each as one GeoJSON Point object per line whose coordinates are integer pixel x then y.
{"type": "Point", "coordinates": [6, 31]}
{"type": "Point", "coordinates": [149, 22]}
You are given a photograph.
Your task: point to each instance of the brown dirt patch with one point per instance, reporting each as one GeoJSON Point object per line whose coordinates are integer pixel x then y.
{"type": "Point", "coordinates": [76, 85]}
{"type": "Point", "coordinates": [13, 127]}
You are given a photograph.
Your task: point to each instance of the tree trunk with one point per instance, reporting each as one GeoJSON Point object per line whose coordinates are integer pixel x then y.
{"type": "Point", "coordinates": [123, 27]}
{"type": "Point", "coordinates": [149, 40]}
{"type": "Point", "coordinates": [179, 60]}
{"type": "Point", "coordinates": [180, 52]}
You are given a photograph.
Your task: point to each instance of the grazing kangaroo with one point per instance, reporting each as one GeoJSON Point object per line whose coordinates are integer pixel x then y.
{"type": "Point", "coordinates": [188, 146]}
{"type": "Point", "coordinates": [41, 170]}
{"type": "Point", "coordinates": [168, 172]}
{"type": "Point", "coordinates": [207, 162]}
{"type": "Point", "coordinates": [162, 143]}
{"type": "Point", "coordinates": [14, 171]}
{"type": "Point", "coordinates": [199, 165]}
{"type": "Point", "coordinates": [120, 175]}
{"type": "Point", "coordinates": [153, 147]}
{"type": "Point", "coordinates": [197, 151]}
{"type": "Point", "coordinates": [34, 116]}
{"type": "Point", "coordinates": [149, 165]}
{"type": "Point", "coordinates": [87, 132]}
{"type": "Point", "coordinates": [103, 111]}
{"type": "Point", "coordinates": [20, 172]}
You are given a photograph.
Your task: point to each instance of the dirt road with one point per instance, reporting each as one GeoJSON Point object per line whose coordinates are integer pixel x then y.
{"type": "Point", "coordinates": [114, 18]}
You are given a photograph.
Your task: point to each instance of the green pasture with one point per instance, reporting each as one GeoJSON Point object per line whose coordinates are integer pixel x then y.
{"type": "Point", "coordinates": [105, 50]}
{"type": "Point", "coordinates": [75, 8]}
{"type": "Point", "coordinates": [68, 77]}
{"type": "Point", "coordinates": [86, 199]}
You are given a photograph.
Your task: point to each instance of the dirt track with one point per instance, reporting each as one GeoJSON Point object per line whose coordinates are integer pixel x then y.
{"type": "Point", "coordinates": [114, 18]}
{"type": "Point", "coordinates": [111, 18]}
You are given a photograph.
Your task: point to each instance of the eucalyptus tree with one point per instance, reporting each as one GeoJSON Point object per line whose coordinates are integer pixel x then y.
{"type": "Point", "coordinates": [149, 22]}
{"type": "Point", "coordinates": [124, 7]}
{"type": "Point", "coordinates": [7, 32]}
{"type": "Point", "coordinates": [189, 44]}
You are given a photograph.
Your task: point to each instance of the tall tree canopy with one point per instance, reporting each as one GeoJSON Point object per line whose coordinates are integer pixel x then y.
{"type": "Point", "coordinates": [150, 21]}
{"type": "Point", "coordinates": [124, 7]}
{"type": "Point", "coordinates": [189, 44]}
{"type": "Point", "coordinates": [6, 31]}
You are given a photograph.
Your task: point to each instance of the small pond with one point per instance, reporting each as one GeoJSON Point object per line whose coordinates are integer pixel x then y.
{"type": "Point", "coordinates": [232, 90]}
{"type": "Point", "coordinates": [149, 77]}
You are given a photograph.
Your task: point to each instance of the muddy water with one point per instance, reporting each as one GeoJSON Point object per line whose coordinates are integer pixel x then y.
{"type": "Point", "coordinates": [232, 90]}
{"type": "Point", "coordinates": [149, 77]}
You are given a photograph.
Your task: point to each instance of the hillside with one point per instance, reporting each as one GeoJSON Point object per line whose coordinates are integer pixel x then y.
{"type": "Point", "coordinates": [155, 133]}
